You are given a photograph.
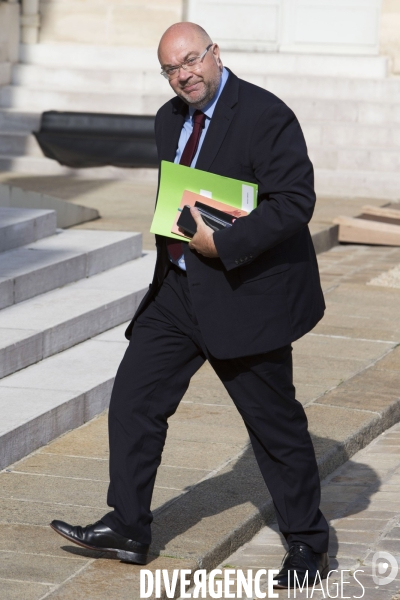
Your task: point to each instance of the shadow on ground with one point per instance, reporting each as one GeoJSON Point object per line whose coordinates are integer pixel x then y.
{"type": "Point", "coordinates": [216, 516]}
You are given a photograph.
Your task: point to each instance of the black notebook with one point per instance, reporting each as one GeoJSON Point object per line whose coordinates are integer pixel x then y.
{"type": "Point", "coordinates": [214, 218]}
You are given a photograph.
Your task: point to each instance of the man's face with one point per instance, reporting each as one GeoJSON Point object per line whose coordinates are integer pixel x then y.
{"type": "Point", "coordinates": [198, 87]}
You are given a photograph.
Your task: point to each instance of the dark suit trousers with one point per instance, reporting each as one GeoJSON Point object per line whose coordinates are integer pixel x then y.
{"type": "Point", "coordinates": [165, 351]}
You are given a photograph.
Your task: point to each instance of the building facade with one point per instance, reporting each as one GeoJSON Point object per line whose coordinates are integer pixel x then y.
{"type": "Point", "coordinates": [355, 27]}
{"type": "Point", "coordinates": [336, 63]}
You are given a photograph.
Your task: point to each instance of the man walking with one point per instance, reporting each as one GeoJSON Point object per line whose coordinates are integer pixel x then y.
{"type": "Point", "coordinates": [236, 297]}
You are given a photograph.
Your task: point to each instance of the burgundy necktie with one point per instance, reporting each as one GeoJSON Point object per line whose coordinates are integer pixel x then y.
{"type": "Point", "coordinates": [175, 247]}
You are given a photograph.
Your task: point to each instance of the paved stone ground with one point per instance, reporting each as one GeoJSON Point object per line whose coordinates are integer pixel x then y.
{"type": "Point", "coordinates": [361, 499]}
{"type": "Point", "coordinates": [347, 375]}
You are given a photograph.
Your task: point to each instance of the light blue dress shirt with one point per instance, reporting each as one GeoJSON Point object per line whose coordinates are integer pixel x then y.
{"type": "Point", "coordinates": [187, 129]}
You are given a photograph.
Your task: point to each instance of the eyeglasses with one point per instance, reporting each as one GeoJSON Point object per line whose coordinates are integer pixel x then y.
{"type": "Point", "coordinates": [189, 65]}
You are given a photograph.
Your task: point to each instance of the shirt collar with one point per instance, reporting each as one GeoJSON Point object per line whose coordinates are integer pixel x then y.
{"type": "Point", "coordinates": [209, 108]}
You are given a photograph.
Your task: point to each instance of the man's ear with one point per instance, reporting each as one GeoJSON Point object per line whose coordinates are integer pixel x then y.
{"type": "Point", "coordinates": [216, 54]}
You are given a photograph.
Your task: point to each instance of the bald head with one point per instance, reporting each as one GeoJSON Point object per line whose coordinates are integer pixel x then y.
{"type": "Point", "coordinates": [180, 33]}
{"type": "Point", "coordinates": [196, 84]}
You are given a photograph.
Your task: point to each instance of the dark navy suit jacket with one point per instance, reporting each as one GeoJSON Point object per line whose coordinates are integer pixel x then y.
{"type": "Point", "coordinates": [263, 291]}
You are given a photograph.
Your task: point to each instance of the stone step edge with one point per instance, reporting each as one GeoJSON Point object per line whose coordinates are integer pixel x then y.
{"type": "Point", "coordinates": [75, 325]}
{"type": "Point", "coordinates": [324, 240]}
{"type": "Point", "coordinates": [68, 213]}
{"type": "Point", "coordinates": [243, 531]}
{"type": "Point", "coordinates": [95, 260]}
{"type": "Point", "coordinates": [108, 93]}
{"type": "Point", "coordinates": [98, 88]}
{"type": "Point", "coordinates": [110, 57]}
{"type": "Point", "coordinates": [63, 415]}
{"type": "Point", "coordinates": [30, 225]}
{"type": "Point", "coordinates": [30, 164]}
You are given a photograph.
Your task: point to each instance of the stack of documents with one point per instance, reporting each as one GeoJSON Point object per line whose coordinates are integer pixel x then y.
{"type": "Point", "coordinates": [235, 198]}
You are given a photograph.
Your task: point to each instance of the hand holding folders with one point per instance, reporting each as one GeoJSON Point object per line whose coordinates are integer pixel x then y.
{"type": "Point", "coordinates": [214, 218]}
{"type": "Point", "coordinates": [216, 215]}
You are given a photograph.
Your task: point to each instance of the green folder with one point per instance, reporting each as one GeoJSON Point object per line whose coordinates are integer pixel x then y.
{"type": "Point", "coordinates": [175, 179]}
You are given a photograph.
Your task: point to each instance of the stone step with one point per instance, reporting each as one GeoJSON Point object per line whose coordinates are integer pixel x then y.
{"type": "Point", "coordinates": [351, 134]}
{"type": "Point", "coordinates": [68, 256]}
{"type": "Point", "coordinates": [5, 73]}
{"type": "Point", "coordinates": [329, 88]}
{"type": "Point", "coordinates": [358, 184]}
{"type": "Point", "coordinates": [350, 158]}
{"type": "Point", "coordinates": [43, 99]}
{"type": "Point", "coordinates": [131, 102]}
{"type": "Point", "coordinates": [68, 214]}
{"type": "Point", "coordinates": [44, 166]}
{"type": "Point", "coordinates": [148, 81]}
{"type": "Point", "coordinates": [124, 57]}
{"type": "Point", "coordinates": [18, 143]}
{"type": "Point", "coordinates": [345, 111]}
{"type": "Point", "coordinates": [20, 226]}
{"type": "Point", "coordinates": [58, 394]}
{"type": "Point", "coordinates": [52, 322]}
{"type": "Point", "coordinates": [19, 120]}
{"type": "Point", "coordinates": [53, 78]}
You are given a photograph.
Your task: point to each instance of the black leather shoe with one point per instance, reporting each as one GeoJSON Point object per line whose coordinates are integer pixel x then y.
{"type": "Point", "coordinates": [100, 537]}
{"type": "Point", "coordinates": [303, 560]}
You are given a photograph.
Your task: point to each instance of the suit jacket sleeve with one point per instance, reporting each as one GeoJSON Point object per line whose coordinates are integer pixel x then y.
{"type": "Point", "coordinates": [286, 200]}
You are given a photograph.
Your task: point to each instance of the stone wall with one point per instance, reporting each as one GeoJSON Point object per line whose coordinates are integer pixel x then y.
{"type": "Point", "coordinates": [9, 38]}
{"type": "Point", "coordinates": [107, 22]}
{"type": "Point", "coordinates": [390, 32]}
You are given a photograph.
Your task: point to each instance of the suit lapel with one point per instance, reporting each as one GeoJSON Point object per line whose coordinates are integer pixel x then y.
{"type": "Point", "coordinates": [220, 123]}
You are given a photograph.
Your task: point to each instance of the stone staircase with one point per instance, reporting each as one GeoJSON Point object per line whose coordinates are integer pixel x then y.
{"type": "Point", "coordinates": [65, 298]}
{"type": "Point", "coordinates": [348, 107]}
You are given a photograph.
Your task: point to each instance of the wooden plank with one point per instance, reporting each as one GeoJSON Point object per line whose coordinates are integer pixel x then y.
{"type": "Point", "coordinates": [361, 231]}
{"type": "Point", "coordinates": [381, 211]}
{"type": "Point", "coordinates": [379, 218]}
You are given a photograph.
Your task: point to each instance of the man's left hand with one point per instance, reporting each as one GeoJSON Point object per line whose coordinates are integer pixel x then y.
{"type": "Point", "coordinates": [203, 240]}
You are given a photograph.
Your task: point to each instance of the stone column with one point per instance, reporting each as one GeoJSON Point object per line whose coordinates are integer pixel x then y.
{"type": "Point", "coordinates": [185, 10]}
{"type": "Point", "coordinates": [9, 30]}
{"type": "Point", "coordinates": [30, 22]}
{"type": "Point", "coordinates": [390, 33]}
{"type": "Point", "coordinates": [9, 38]}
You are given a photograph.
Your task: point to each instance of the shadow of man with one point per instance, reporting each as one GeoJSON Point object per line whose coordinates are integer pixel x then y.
{"type": "Point", "coordinates": [232, 506]}
{"type": "Point", "coordinates": [213, 518]}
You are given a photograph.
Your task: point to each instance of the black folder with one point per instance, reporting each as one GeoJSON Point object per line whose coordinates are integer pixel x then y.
{"type": "Point", "coordinates": [214, 218]}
